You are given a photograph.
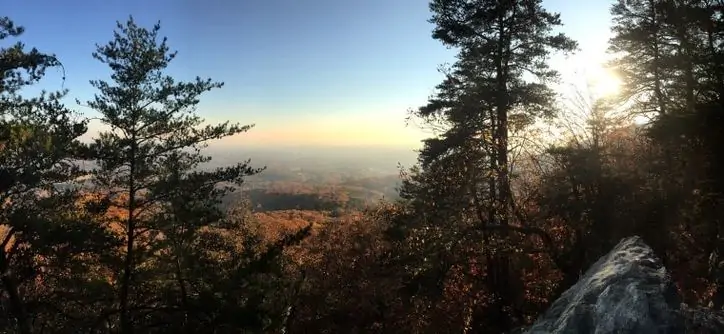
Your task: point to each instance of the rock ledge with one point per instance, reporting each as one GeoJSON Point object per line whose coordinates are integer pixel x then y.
{"type": "Point", "coordinates": [627, 290]}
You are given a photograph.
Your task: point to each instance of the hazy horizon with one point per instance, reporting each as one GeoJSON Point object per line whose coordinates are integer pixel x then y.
{"type": "Point", "coordinates": [384, 160]}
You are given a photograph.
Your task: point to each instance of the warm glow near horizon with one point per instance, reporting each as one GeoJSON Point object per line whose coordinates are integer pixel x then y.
{"type": "Point", "coordinates": [374, 129]}
{"type": "Point", "coordinates": [339, 132]}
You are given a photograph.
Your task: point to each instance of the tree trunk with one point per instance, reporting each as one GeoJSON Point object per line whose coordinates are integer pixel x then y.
{"type": "Point", "coordinates": [126, 321]}
{"type": "Point", "coordinates": [687, 63]}
{"type": "Point", "coordinates": [505, 196]}
{"type": "Point", "coordinates": [16, 303]}
{"type": "Point", "coordinates": [184, 295]}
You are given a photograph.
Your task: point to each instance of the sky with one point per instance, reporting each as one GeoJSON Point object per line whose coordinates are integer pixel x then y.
{"type": "Point", "coordinates": [312, 72]}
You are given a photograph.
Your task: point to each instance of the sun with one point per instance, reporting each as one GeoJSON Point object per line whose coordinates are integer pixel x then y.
{"type": "Point", "coordinates": [604, 83]}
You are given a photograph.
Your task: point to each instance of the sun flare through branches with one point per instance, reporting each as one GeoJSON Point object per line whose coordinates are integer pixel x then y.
{"type": "Point", "coordinates": [604, 82]}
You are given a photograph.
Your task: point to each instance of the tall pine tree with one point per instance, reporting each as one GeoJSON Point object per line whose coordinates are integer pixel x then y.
{"type": "Point", "coordinates": [496, 88]}
{"type": "Point", "coordinates": [148, 162]}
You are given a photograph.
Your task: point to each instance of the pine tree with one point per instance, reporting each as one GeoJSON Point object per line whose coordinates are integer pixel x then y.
{"type": "Point", "coordinates": [640, 40]}
{"type": "Point", "coordinates": [496, 88]}
{"type": "Point", "coordinates": [149, 161]}
{"type": "Point", "coordinates": [668, 53]}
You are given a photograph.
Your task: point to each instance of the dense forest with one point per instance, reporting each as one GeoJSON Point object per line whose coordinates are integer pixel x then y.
{"type": "Point", "coordinates": [493, 223]}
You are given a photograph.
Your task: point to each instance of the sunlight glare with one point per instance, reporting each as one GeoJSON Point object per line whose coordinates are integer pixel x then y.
{"type": "Point", "coordinates": [605, 83]}
{"type": "Point", "coordinates": [641, 120]}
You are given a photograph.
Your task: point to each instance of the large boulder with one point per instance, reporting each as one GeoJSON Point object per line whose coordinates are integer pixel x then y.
{"type": "Point", "coordinates": [628, 290]}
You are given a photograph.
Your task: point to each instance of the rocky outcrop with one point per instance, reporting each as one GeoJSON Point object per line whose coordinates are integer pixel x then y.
{"type": "Point", "coordinates": [626, 291]}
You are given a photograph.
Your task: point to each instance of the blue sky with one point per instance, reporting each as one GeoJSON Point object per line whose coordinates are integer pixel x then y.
{"type": "Point", "coordinates": [338, 72]}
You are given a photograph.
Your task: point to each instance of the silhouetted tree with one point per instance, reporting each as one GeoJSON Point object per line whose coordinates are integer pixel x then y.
{"type": "Point", "coordinates": [486, 97]}
{"type": "Point", "coordinates": [146, 166]}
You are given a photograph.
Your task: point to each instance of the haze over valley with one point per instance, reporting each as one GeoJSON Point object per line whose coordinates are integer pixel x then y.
{"type": "Point", "coordinates": [293, 175]}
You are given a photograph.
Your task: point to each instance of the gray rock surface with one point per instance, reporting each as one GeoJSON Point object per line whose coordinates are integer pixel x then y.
{"type": "Point", "coordinates": [626, 291]}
